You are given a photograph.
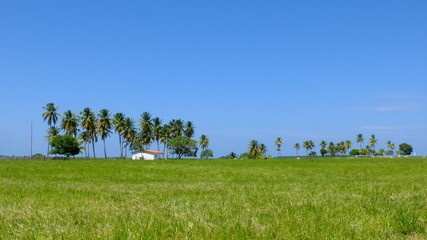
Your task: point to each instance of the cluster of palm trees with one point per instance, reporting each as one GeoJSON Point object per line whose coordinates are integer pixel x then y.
{"type": "Point", "coordinates": [89, 126]}
{"type": "Point", "coordinates": [343, 147]}
{"type": "Point", "coordinates": [256, 149]}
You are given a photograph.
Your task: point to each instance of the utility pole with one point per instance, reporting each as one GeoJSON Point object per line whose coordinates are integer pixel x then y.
{"type": "Point", "coordinates": [31, 142]}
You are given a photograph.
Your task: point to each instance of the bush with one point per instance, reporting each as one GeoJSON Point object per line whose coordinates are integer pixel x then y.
{"type": "Point", "coordinates": [355, 152]}
{"type": "Point", "coordinates": [65, 145]}
{"type": "Point", "coordinates": [405, 149]}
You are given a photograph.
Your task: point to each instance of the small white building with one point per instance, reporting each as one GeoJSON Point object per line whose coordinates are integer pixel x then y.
{"type": "Point", "coordinates": [146, 155]}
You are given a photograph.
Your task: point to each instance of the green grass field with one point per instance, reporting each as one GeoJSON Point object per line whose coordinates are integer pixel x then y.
{"type": "Point", "coordinates": [214, 199]}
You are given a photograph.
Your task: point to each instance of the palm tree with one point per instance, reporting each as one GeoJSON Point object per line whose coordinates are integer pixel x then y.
{"type": "Point", "coordinates": [232, 155]}
{"type": "Point", "coordinates": [373, 141]}
{"type": "Point", "coordinates": [278, 143]}
{"type": "Point", "coordinates": [50, 115]}
{"type": "Point", "coordinates": [165, 136]}
{"type": "Point", "coordinates": [297, 147]}
{"type": "Point", "coordinates": [85, 139]}
{"type": "Point", "coordinates": [89, 123]}
{"type": "Point", "coordinates": [70, 123]}
{"type": "Point", "coordinates": [51, 132]}
{"type": "Point", "coordinates": [331, 149]}
{"type": "Point", "coordinates": [189, 129]}
{"type": "Point", "coordinates": [323, 144]}
{"type": "Point", "coordinates": [146, 134]}
{"type": "Point", "coordinates": [129, 132]}
{"type": "Point", "coordinates": [253, 148]}
{"type": "Point", "coordinates": [177, 127]}
{"type": "Point", "coordinates": [308, 145]}
{"type": "Point", "coordinates": [391, 146]}
{"type": "Point", "coordinates": [262, 149]}
{"type": "Point", "coordinates": [105, 125]}
{"type": "Point", "coordinates": [157, 127]}
{"type": "Point", "coordinates": [359, 139]}
{"type": "Point", "coordinates": [348, 144]}
{"type": "Point", "coordinates": [119, 122]}
{"type": "Point", "coordinates": [204, 143]}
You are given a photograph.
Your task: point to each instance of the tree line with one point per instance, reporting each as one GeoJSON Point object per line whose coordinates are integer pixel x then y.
{"type": "Point", "coordinates": [88, 127]}
{"type": "Point", "coordinates": [343, 148]}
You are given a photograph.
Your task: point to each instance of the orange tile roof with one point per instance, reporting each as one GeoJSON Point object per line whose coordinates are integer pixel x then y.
{"type": "Point", "coordinates": [153, 151]}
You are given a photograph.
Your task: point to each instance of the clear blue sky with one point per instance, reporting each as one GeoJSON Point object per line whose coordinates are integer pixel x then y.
{"type": "Point", "coordinates": [240, 70]}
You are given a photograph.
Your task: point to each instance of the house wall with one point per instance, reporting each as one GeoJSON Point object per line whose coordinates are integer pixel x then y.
{"type": "Point", "coordinates": [145, 156]}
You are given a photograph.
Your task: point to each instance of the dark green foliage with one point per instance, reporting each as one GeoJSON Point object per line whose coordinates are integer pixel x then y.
{"type": "Point", "coordinates": [38, 156]}
{"type": "Point", "coordinates": [323, 152]}
{"type": "Point", "coordinates": [232, 155]}
{"type": "Point", "coordinates": [312, 154]}
{"type": "Point", "coordinates": [207, 153]}
{"type": "Point", "coordinates": [183, 147]}
{"type": "Point", "coordinates": [355, 152]}
{"type": "Point", "coordinates": [405, 149]}
{"type": "Point", "coordinates": [65, 145]}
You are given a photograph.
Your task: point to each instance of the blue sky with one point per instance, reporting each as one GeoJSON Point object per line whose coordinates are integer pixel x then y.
{"type": "Point", "coordinates": [240, 70]}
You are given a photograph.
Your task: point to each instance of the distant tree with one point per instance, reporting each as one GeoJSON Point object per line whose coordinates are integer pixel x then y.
{"type": "Point", "coordinates": [105, 124]}
{"type": "Point", "coordinates": [207, 153]}
{"type": "Point", "coordinates": [323, 152]}
{"type": "Point", "coordinates": [278, 144]}
{"type": "Point", "coordinates": [70, 123]}
{"type": "Point", "coordinates": [50, 115]}
{"type": "Point", "coordinates": [297, 147]}
{"type": "Point", "coordinates": [177, 127]}
{"type": "Point", "coordinates": [51, 132]}
{"type": "Point", "coordinates": [85, 140]}
{"type": "Point", "coordinates": [331, 149]}
{"type": "Point", "coordinates": [189, 129]}
{"type": "Point", "coordinates": [405, 149]}
{"type": "Point", "coordinates": [312, 154]}
{"type": "Point", "coordinates": [65, 145]}
{"type": "Point", "coordinates": [165, 137]}
{"type": "Point", "coordinates": [359, 139]}
{"type": "Point", "coordinates": [308, 145]}
{"type": "Point", "coordinates": [119, 125]}
{"type": "Point", "coordinates": [253, 149]}
{"type": "Point", "coordinates": [90, 123]}
{"type": "Point", "coordinates": [372, 142]}
{"type": "Point", "coordinates": [355, 152]}
{"type": "Point", "coordinates": [262, 149]}
{"type": "Point", "coordinates": [391, 147]}
{"type": "Point", "coordinates": [146, 133]}
{"type": "Point", "coordinates": [157, 128]}
{"type": "Point", "coordinates": [348, 144]}
{"type": "Point", "coordinates": [232, 155]}
{"type": "Point", "coordinates": [322, 144]}
{"type": "Point", "coordinates": [183, 147]}
{"type": "Point", "coordinates": [129, 133]}
{"type": "Point", "coordinates": [203, 143]}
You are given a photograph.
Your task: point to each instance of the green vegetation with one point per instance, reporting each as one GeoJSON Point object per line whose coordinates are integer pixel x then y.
{"type": "Point", "coordinates": [405, 149]}
{"type": "Point", "coordinates": [317, 198]}
{"type": "Point", "coordinates": [65, 145]}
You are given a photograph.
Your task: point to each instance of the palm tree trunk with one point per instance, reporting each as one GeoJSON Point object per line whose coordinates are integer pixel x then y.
{"type": "Point", "coordinates": [121, 147]}
{"type": "Point", "coordinates": [105, 150]}
{"type": "Point", "coordinates": [48, 144]}
{"type": "Point", "coordinates": [166, 144]}
{"type": "Point", "coordinates": [93, 148]}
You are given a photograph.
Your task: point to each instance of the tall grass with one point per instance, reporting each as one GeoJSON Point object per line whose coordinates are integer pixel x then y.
{"type": "Point", "coordinates": [214, 199]}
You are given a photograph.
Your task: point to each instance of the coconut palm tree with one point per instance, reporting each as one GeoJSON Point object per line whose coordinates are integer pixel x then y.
{"type": "Point", "coordinates": [50, 115]}
{"type": "Point", "coordinates": [89, 122]}
{"type": "Point", "coordinates": [278, 144]}
{"type": "Point", "coordinates": [232, 155]}
{"type": "Point", "coordinates": [322, 144]}
{"type": "Point", "coordinates": [391, 146]}
{"type": "Point", "coordinates": [308, 145]}
{"type": "Point", "coordinates": [70, 123]}
{"type": "Point", "coordinates": [372, 142]}
{"type": "Point", "coordinates": [165, 136]}
{"type": "Point", "coordinates": [262, 149]}
{"type": "Point", "coordinates": [105, 125]}
{"type": "Point", "coordinates": [146, 134]}
{"type": "Point", "coordinates": [348, 144]}
{"type": "Point", "coordinates": [85, 139]}
{"type": "Point", "coordinates": [157, 127]}
{"type": "Point", "coordinates": [297, 147]}
{"type": "Point", "coordinates": [359, 139]}
{"type": "Point", "coordinates": [331, 149]}
{"type": "Point", "coordinates": [189, 129]}
{"type": "Point", "coordinates": [51, 132]}
{"type": "Point", "coordinates": [253, 149]}
{"type": "Point", "coordinates": [177, 127]}
{"type": "Point", "coordinates": [129, 132]}
{"type": "Point", "coordinates": [204, 143]}
{"type": "Point", "coordinates": [119, 124]}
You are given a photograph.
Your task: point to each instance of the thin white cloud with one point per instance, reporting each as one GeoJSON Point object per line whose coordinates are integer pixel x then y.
{"type": "Point", "coordinates": [395, 107]}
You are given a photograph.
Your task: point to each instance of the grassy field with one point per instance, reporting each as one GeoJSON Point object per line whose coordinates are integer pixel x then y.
{"type": "Point", "coordinates": [214, 199]}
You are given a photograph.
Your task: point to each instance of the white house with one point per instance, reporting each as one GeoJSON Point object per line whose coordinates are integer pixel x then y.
{"type": "Point", "coordinates": [146, 155]}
